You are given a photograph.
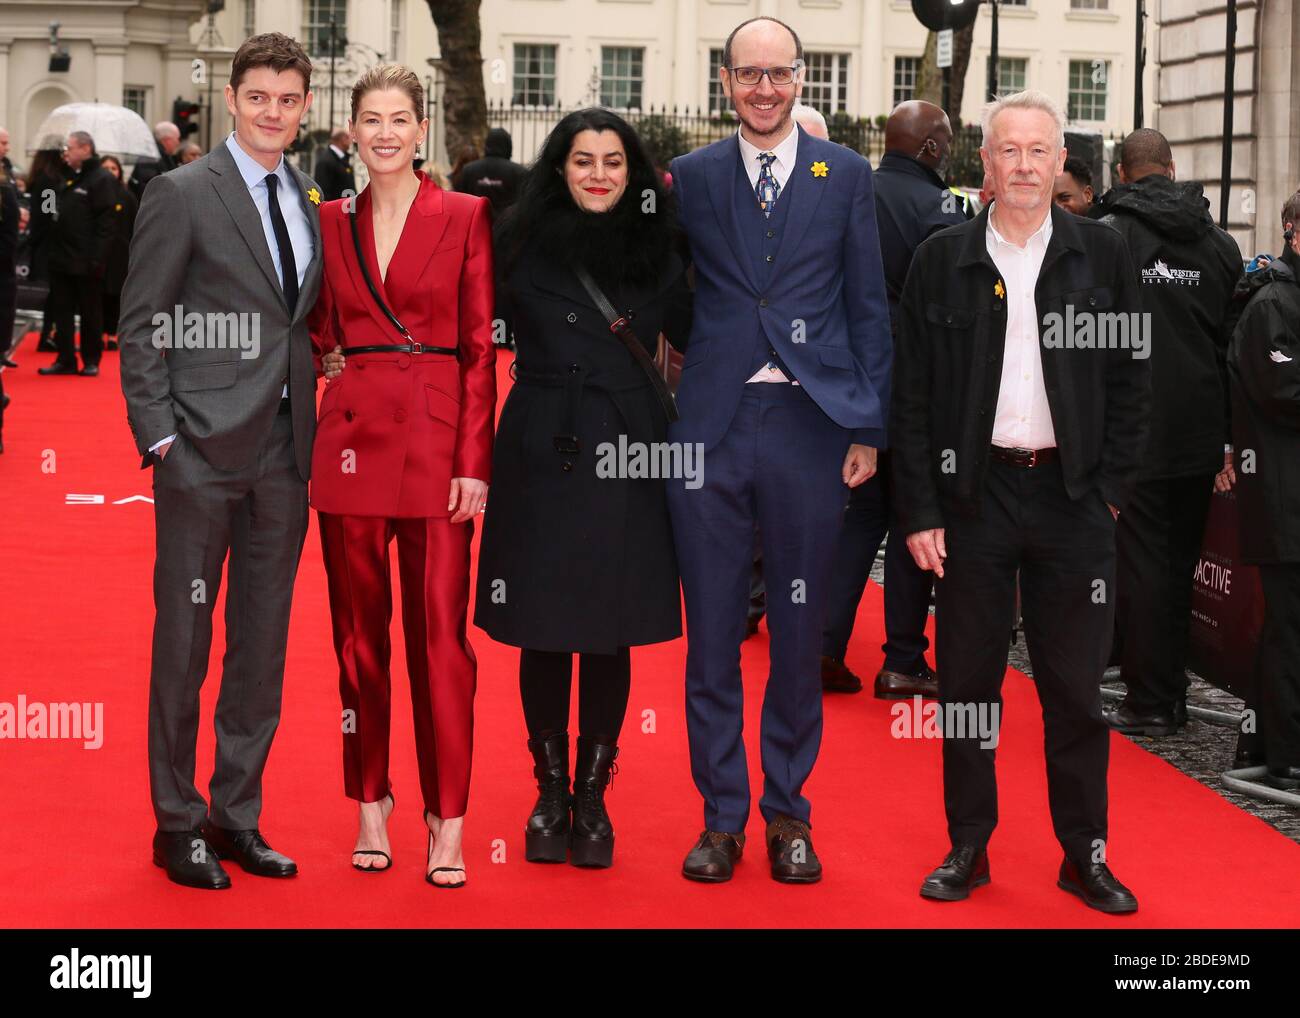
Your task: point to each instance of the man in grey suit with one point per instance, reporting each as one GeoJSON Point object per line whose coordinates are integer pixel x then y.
{"type": "Point", "coordinates": [220, 392]}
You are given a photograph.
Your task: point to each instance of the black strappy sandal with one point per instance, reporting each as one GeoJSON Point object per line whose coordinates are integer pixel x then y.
{"type": "Point", "coordinates": [375, 851]}
{"type": "Point", "coordinates": [428, 875]}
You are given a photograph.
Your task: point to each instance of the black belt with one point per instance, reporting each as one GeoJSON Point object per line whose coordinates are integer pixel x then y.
{"type": "Point", "coordinates": [1023, 457]}
{"type": "Point", "coordinates": [417, 348]}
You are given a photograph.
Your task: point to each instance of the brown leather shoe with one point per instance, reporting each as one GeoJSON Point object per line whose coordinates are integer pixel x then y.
{"type": "Point", "coordinates": [897, 686]}
{"type": "Point", "coordinates": [836, 678]}
{"type": "Point", "coordinates": [790, 851]}
{"type": "Point", "coordinates": [714, 857]}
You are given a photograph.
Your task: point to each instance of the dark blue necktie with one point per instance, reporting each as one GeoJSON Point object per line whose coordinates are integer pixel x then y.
{"type": "Point", "coordinates": [288, 267]}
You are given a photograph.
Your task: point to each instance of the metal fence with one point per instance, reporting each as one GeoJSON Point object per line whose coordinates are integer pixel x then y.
{"type": "Point", "coordinates": [669, 132]}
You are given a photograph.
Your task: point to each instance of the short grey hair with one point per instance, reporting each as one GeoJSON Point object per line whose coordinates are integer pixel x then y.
{"type": "Point", "coordinates": [165, 128]}
{"type": "Point", "coordinates": [83, 138]}
{"type": "Point", "coordinates": [809, 114]}
{"type": "Point", "coordinates": [1030, 99]}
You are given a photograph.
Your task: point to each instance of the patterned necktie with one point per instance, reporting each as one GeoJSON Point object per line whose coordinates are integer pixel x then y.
{"type": "Point", "coordinates": [767, 188]}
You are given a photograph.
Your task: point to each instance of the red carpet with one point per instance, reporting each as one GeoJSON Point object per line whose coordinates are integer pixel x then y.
{"type": "Point", "coordinates": [74, 841]}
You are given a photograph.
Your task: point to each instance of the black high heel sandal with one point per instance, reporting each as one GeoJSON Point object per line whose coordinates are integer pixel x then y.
{"type": "Point", "coordinates": [375, 851]}
{"type": "Point", "coordinates": [428, 874]}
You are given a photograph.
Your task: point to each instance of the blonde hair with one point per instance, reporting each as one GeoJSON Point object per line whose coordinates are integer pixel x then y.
{"type": "Point", "coordinates": [1029, 99]}
{"type": "Point", "coordinates": [389, 76]}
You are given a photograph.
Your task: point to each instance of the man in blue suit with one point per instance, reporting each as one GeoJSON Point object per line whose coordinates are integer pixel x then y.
{"type": "Point", "coordinates": [784, 387]}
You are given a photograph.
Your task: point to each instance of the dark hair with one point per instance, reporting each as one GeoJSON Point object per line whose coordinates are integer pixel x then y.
{"type": "Point", "coordinates": [1291, 211]}
{"type": "Point", "coordinates": [1145, 147]}
{"type": "Point", "coordinates": [121, 174]}
{"type": "Point", "coordinates": [1079, 170]}
{"type": "Point", "coordinates": [726, 47]}
{"type": "Point", "coordinates": [45, 164]}
{"type": "Point", "coordinates": [273, 50]}
{"type": "Point", "coordinates": [464, 157]}
{"type": "Point", "coordinates": [546, 214]}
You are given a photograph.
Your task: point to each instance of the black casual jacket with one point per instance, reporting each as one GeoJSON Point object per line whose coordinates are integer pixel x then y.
{"type": "Point", "coordinates": [948, 368]}
{"type": "Point", "coordinates": [82, 233]}
{"type": "Point", "coordinates": [911, 204]}
{"type": "Point", "coordinates": [146, 169]}
{"type": "Point", "coordinates": [1264, 368]}
{"type": "Point", "coordinates": [1188, 268]}
{"type": "Point", "coordinates": [334, 175]}
{"type": "Point", "coordinates": [494, 177]}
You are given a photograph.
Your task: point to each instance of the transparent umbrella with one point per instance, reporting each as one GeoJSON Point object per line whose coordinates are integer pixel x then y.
{"type": "Point", "coordinates": [116, 130]}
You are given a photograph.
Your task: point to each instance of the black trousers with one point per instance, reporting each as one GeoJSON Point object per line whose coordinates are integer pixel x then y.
{"type": "Point", "coordinates": [867, 519]}
{"type": "Point", "coordinates": [77, 295]}
{"type": "Point", "coordinates": [1064, 552]}
{"type": "Point", "coordinates": [1277, 665]}
{"type": "Point", "coordinates": [604, 683]}
{"type": "Point", "coordinates": [1158, 542]}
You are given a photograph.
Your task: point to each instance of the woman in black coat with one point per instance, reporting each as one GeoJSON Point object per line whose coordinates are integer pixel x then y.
{"type": "Point", "coordinates": [119, 251]}
{"type": "Point", "coordinates": [577, 553]}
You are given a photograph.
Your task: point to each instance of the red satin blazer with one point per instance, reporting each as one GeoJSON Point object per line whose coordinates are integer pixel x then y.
{"type": "Point", "coordinates": [395, 428]}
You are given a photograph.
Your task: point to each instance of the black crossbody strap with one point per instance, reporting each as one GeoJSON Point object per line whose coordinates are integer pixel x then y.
{"type": "Point", "coordinates": [365, 272]}
{"type": "Point", "coordinates": [619, 327]}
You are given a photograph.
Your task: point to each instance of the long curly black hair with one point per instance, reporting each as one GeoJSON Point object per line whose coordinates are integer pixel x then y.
{"type": "Point", "coordinates": [624, 245]}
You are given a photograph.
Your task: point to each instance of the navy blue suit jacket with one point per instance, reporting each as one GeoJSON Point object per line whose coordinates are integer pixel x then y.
{"type": "Point", "coordinates": [823, 311]}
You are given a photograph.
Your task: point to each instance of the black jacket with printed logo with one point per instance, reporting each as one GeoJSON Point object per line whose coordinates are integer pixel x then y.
{"type": "Point", "coordinates": [83, 229]}
{"type": "Point", "coordinates": [1189, 268]}
{"type": "Point", "coordinates": [948, 368]}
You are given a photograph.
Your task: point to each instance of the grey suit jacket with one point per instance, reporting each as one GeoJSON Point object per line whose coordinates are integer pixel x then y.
{"type": "Point", "coordinates": [207, 340]}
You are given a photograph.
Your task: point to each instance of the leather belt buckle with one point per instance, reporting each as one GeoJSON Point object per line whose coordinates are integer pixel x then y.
{"type": "Point", "coordinates": [417, 348]}
{"type": "Point", "coordinates": [567, 445]}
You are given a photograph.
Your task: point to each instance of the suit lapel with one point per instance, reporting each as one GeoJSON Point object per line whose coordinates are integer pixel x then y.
{"type": "Point", "coordinates": [422, 232]}
{"type": "Point", "coordinates": [233, 192]}
{"type": "Point", "coordinates": [720, 172]}
{"type": "Point", "coordinates": [366, 232]}
{"type": "Point", "coordinates": [805, 197]}
{"type": "Point", "coordinates": [311, 209]}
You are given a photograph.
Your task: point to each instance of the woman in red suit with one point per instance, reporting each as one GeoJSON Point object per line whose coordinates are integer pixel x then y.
{"type": "Point", "coordinates": [403, 449]}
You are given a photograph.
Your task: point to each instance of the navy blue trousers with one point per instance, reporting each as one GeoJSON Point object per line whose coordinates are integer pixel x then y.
{"type": "Point", "coordinates": [778, 465]}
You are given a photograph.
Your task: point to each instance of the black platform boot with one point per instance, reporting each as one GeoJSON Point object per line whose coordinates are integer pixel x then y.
{"type": "Point", "coordinates": [546, 838]}
{"type": "Point", "coordinates": [592, 841]}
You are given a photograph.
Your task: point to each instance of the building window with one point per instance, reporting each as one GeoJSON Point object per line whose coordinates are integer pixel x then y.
{"type": "Point", "coordinates": [826, 82]}
{"type": "Point", "coordinates": [905, 72]}
{"type": "Point", "coordinates": [718, 101]}
{"type": "Point", "coordinates": [396, 22]}
{"type": "Point", "coordinates": [135, 98]}
{"type": "Point", "coordinates": [1011, 75]}
{"type": "Point", "coordinates": [621, 76]}
{"type": "Point", "coordinates": [1014, 3]}
{"type": "Point", "coordinates": [1089, 5]}
{"type": "Point", "coordinates": [317, 15]}
{"type": "Point", "coordinates": [534, 75]}
{"type": "Point", "coordinates": [250, 18]}
{"type": "Point", "coordinates": [1089, 80]}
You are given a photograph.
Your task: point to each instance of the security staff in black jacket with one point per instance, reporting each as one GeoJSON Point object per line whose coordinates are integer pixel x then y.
{"type": "Point", "coordinates": [1016, 440]}
{"type": "Point", "coordinates": [1264, 367]}
{"type": "Point", "coordinates": [912, 202]}
{"type": "Point", "coordinates": [9, 213]}
{"type": "Point", "coordinates": [334, 167]}
{"type": "Point", "coordinates": [1189, 268]}
{"type": "Point", "coordinates": [79, 244]}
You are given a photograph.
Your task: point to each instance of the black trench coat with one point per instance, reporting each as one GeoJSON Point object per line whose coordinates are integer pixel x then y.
{"type": "Point", "coordinates": [571, 560]}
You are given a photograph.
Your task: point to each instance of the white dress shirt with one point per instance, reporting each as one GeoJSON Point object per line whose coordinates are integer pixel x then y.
{"type": "Point", "coordinates": [1023, 419]}
{"type": "Point", "coordinates": [786, 152]}
{"type": "Point", "coordinates": [295, 219]}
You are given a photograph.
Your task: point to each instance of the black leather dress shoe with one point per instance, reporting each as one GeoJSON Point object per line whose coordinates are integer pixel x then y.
{"type": "Point", "coordinates": [836, 677]}
{"type": "Point", "coordinates": [714, 857]}
{"type": "Point", "coordinates": [963, 869]}
{"type": "Point", "coordinates": [57, 369]}
{"type": "Point", "coordinates": [250, 850]}
{"type": "Point", "coordinates": [1096, 885]}
{"type": "Point", "coordinates": [189, 860]}
{"type": "Point", "coordinates": [790, 851]}
{"type": "Point", "coordinates": [1286, 779]}
{"type": "Point", "coordinates": [892, 685]}
{"type": "Point", "coordinates": [1131, 721]}
{"type": "Point", "coordinates": [90, 370]}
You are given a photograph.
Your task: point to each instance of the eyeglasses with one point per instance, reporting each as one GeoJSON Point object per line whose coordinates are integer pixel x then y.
{"type": "Point", "coordinates": [753, 75]}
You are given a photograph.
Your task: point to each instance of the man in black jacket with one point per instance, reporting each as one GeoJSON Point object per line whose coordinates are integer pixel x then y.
{"type": "Point", "coordinates": [1264, 368]}
{"type": "Point", "coordinates": [1019, 417]}
{"type": "Point", "coordinates": [168, 137]}
{"type": "Point", "coordinates": [333, 173]}
{"type": "Point", "coordinates": [9, 213]}
{"type": "Point", "coordinates": [79, 242]}
{"type": "Point", "coordinates": [1189, 269]}
{"type": "Point", "coordinates": [494, 177]}
{"type": "Point", "coordinates": [912, 202]}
